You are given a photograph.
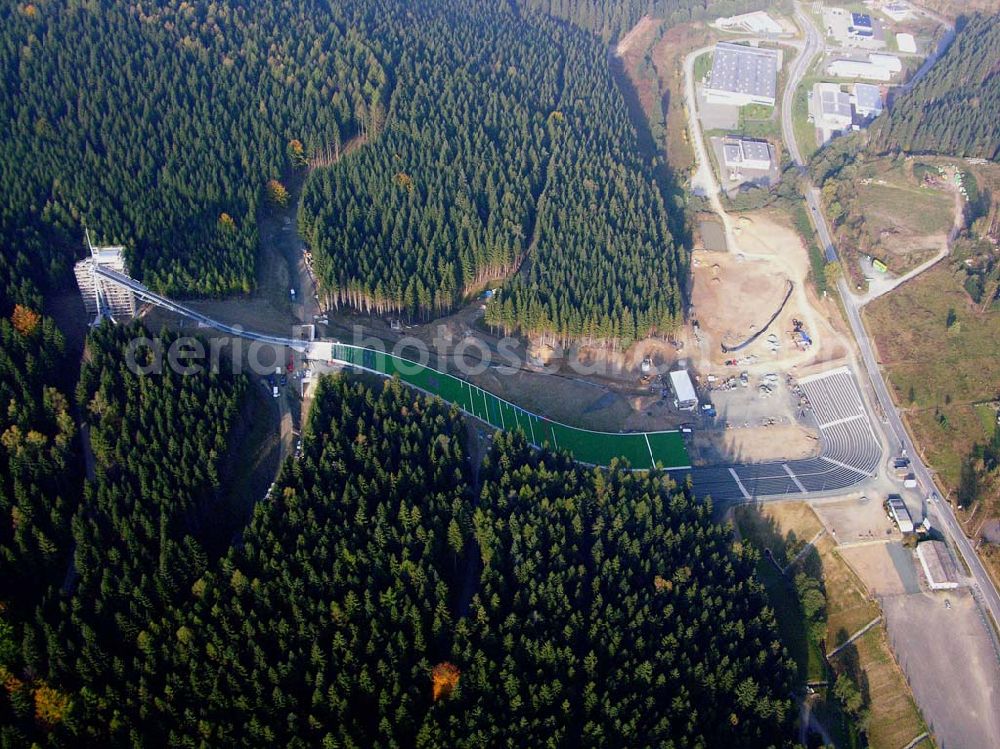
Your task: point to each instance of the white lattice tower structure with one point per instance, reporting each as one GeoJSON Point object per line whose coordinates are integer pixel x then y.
{"type": "Point", "coordinates": [102, 297]}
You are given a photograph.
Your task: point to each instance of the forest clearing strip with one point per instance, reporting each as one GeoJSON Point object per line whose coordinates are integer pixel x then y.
{"type": "Point", "coordinates": [584, 445]}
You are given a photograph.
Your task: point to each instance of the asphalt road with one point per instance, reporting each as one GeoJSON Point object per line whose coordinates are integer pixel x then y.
{"type": "Point", "coordinates": [703, 181]}
{"type": "Point", "coordinates": [813, 44]}
{"type": "Point", "coordinates": [940, 512]}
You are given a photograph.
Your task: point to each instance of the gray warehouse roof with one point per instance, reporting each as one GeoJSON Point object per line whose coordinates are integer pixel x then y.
{"type": "Point", "coordinates": [832, 102]}
{"type": "Point", "coordinates": [869, 97]}
{"type": "Point", "coordinates": [744, 70]}
{"type": "Point", "coordinates": [739, 151]}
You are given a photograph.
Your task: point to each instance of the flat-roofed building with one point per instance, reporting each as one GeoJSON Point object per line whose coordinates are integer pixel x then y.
{"type": "Point", "coordinates": [938, 565]}
{"type": "Point", "coordinates": [852, 29]}
{"type": "Point", "coordinates": [889, 62]}
{"type": "Point", "coordinates": [858, 69]}
{"type": "Point", "coordinates": [743, 75]}
{"type": "Point", "coordinates": [832, 107]}
{"type": "Point", "coordinates": [685, 397]}
{"type": "Point", "coordinates": [746, 154]}
{"type": "Point", "coordinates": [867, 100]}
{"type": "Point", "coordinates": [898, 512]}
{"type": "Point", "coordinates": [861, 25]}
{"type": "Point", "coordinates": [896, 10]}
{"type": "Point", "coordinates": [906, 43]}
{"type": "Point", "coordinates": [758, 22]}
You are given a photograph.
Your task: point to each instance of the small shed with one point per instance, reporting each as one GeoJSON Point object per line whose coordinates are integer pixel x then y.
{"type": "Point", "coordinates": [685, 397]}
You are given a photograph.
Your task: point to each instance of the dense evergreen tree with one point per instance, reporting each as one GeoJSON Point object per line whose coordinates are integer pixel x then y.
{"type": "Point", "coordinates": [384, 594]}
{"type": "Point", "coordinates": [955, 109]}
{"type": "Point", "coordinates": [604, 265]}
{"type": "Point", "coordinates": [39, 485]}
{"type": "Point", "coordinates": [388, 591]}
{"type": "Point", "coordinates": [442, 202]}
{"type": "Point", "coordinates": [610, 19]}
{"type": "Point", "coordinates": [508, 146]}
{"type": "Point", "coordinates": [611, 611]}
{"type": "Point", "coordinates": [323, 625]}
{"type": "Point", "coordinates": [149, 121]}
{"type": "Point", "coordinates": [140, 532]}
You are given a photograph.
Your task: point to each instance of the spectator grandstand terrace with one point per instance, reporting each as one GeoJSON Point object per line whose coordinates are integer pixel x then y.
{"type": "Point", "coordinates": [850, 452]}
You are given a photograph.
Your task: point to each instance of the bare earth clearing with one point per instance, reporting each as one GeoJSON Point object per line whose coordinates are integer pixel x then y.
{"type": "Point", "coordinates": [734, 294]}
{"type": "Point", "coordinates": [856, 519]}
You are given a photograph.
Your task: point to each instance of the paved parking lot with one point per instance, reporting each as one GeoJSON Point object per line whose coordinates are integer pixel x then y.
{"type": "Point", "coordinates": [951, 664]}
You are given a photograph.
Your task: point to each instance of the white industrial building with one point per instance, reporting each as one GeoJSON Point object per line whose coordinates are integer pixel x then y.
{"type": "Point", "coordinates": [938, 565]}
{"type": "Point", "coordinates": [889, 62]}
{"type": "Point", "coordinates": [899, 513]}
{"type": "Point", "coordinates": [858, 69]}
{"type": "Point", "coordinates": [867, 101]}
{"type": "Point", "coordinates": [831, 108]}
{"type": "Point", "coordinates": [685, 397]}
{"type": "Point", "coordinates": [906, 43]}
{"type": "Point", "coordinates": [738, 153]}
{"type": "Point", "coordinates": [743, 75]}
{"type": "Point", "coordinates": [100, 296]}
{"type": "Point", "coordinates": [896, 10]}
{"type": "Point", "coordinates": [758, 22]}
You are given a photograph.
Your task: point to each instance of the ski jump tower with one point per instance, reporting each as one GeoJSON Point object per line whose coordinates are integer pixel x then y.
{"type": "Point", "coordinates": [101, 297]}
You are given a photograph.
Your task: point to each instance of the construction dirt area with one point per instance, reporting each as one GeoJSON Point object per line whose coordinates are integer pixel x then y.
{"type": "Point", "coordinates": [856, 519]}
{"type": "Point", "coordinates": [735, 295]}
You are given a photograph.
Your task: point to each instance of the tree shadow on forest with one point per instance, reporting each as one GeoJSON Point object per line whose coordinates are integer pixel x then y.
{"type": "Point", "coordinates": [666, 179]}
{"type": "Point", "coordinates": [777, 567]}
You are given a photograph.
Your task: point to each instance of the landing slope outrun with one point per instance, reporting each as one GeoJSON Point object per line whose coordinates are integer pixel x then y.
{"type": "Point", "coordinates": [642, 450]}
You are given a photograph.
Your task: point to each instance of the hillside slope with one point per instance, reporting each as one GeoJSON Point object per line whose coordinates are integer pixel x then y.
{"type": "Point", "coordinates": [955, 109]}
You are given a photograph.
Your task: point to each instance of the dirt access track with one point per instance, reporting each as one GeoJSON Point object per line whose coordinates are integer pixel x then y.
{"type": "Point", "coordinates": [735, 293]}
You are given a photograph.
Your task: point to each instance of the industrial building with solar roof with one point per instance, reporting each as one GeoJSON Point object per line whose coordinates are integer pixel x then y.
{"type": "Point", "coordinates": [743, 75]}
{"type": "Point", "coordinates": [867, 101]}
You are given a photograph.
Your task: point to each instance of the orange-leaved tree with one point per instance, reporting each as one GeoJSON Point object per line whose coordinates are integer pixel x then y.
{"type": "Point", "coordinates": [51, 705]}
{"type": "Point", "coordinates": [277, 193]}
{"type": "Point", "coordinates": [24, 320]}
{"type": "Point", "coordinates": [444, 677]}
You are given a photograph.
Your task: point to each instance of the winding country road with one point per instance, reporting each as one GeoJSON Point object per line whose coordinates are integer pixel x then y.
{"type": "Point", "coordinates": [895, 431]}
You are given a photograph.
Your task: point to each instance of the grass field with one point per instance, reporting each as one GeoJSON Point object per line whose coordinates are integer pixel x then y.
{"type": "Point", "coordinates": [946, 369]}
{"type": "Point", "coordinates": [703, 66]}
{"type": "Point", "coordinates": [642, 450]}
{"type": "Point", "coordinates": [897, 204]}
{"type": "Point", "coordinates": [805, 131]}
{"type": "Point", "coordinates": [895, 720]}
{"type": "Point", "coordinates": [848, 606]}
{"type": "Point", "coordinates": [785, 528]}
{"type": "Point", "coordinates": [766, 126]}
{"type": "Point", "coordinates": [893, 215]}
